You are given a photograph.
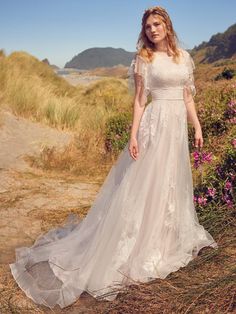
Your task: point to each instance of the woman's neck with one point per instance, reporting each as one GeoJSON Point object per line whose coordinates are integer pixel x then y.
{"type": "Point", "coordinates": [161, 47]}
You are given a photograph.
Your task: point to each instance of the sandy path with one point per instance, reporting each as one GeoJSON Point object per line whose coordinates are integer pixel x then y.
{"type": "Point", "coordinates": [19, 137]}
{"type": "Point", "coordinates": [32, 202]}
{"type": "Point", "coordinates": [75, 79]}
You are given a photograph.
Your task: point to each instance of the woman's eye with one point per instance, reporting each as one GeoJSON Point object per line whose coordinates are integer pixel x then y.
{"type": "Point", "coordinates": [156, 24]}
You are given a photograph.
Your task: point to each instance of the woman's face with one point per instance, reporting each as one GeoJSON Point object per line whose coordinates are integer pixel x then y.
{"type": "Point", "coordinates": [155, 29]}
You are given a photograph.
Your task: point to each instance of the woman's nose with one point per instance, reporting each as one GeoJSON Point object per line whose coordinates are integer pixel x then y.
{"type": "Point", "coordinates": [152, 28]}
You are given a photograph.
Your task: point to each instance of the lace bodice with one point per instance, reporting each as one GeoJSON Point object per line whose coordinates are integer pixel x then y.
{"type": "Point", "coordinates": [163, 73]}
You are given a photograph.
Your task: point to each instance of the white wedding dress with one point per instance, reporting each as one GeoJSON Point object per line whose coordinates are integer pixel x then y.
{"type": "Point", "coordinates": [142, 224]}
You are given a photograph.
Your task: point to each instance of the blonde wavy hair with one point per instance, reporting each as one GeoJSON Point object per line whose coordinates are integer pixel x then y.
{"type": "Point", "coordinates": [147, 50]}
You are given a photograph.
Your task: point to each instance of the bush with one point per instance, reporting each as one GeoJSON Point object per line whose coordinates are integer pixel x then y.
{"type": "Point", "coordinates": [117, 132]}
{"type": "Point", "coordinates": [217, 187]}
{"type": "Point", "coordinates": [216, 119]}
{"type": "Point", "coordinates": [227, 74]}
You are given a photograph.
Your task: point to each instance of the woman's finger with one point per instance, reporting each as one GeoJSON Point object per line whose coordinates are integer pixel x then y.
{"type": "Point", "coordinates": [201, 142]}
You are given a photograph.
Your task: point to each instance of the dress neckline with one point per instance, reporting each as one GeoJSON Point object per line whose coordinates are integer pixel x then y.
{"type": "Point", "coordinates": [161, 53]}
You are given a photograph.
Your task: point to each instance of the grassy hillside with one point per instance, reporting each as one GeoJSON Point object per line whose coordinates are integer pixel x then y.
{"type": "Point", "coordinates": [30, 88]}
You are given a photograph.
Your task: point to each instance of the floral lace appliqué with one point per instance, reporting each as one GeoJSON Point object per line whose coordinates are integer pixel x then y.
{"type": "Point", "coordinates": [147, 126]}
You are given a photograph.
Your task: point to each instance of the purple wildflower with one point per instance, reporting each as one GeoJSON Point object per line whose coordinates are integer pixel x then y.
{"type": "Point", "coordinates": [232, 103]}
{"type": "Point", "coordinates": [211, 192]}
{"type": "Point", "coordinates": [196, 155]}
{"type": "Point", "coordinates": [202, 200]}
{"type": "Point", "coordinates": [207, 157]}
{"type": "Point", "coordinates": [227, 199]}
{"type": "Point", "coordinates": [232, 120]}
{"type": "Point", "coordinates": [229, 203]}
{"type": "Point", "coordinates": [201, 157]}
{"type": "Point", "coordinates": [234, 142]}
{"type": "Point", "coordinates": [228, 185]}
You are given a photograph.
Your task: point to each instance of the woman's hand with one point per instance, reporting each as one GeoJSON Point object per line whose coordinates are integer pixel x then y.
{"type": "Point", "coordinates": [133, 148]}
{"type": "Point", "coordinates": [198, 139]}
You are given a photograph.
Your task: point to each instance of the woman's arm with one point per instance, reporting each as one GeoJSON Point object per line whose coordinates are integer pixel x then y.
{"type": "Point", "coordinates": [192, 117]}
{"type": "Point", "coordinates": [189, 93]}
{"type": "Point", "coordinates": [138, 78]}
{"type": "Point", "coordinates": [140, 100]}
{"type": "Point", "coordinates": [191, 110]}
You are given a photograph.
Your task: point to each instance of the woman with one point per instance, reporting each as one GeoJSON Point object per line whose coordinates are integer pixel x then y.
{"type": "Point", "coordinates": [142, 224]}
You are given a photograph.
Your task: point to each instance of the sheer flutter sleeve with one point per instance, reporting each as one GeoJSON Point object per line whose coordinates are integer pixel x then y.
{"type": "Point", "coordinates": [138, 69]}
{"type": "Point", "coordinates": [190, 84]}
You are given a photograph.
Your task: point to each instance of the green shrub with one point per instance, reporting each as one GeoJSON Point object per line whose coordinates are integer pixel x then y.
{"type": "Point", "coordinates": [214, 195]}
{"type": "Point", "coordinates": [216, 118]}
{"type": "Point", "coordinates": [117, 132]}
{"type": "Point", "coordinates": [227, 74]}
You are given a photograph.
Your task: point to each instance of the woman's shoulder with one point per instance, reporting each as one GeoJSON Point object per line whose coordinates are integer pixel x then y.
{"type": "Point", "coordinates": [139, 58]}
{"type": "Point", "coordinates": [183, 52]}
{"type": "Point", "coordinates": [186, 56]}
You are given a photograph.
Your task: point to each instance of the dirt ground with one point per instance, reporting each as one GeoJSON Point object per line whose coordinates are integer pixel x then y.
{"type": "Point", "coordinates": [32, 202]}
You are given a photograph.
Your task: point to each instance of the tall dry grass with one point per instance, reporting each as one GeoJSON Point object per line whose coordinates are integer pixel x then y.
{"type": "Point", "coordinates": [31, 88]}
